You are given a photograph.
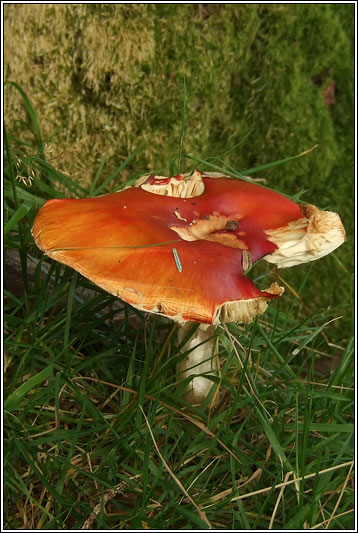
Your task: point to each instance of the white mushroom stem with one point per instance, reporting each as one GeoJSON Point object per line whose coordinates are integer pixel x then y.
{"type": "Point", "coordinates": [200, 363]}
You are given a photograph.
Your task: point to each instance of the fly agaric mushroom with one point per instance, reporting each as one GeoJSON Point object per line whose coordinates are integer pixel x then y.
{"type": "Point", "coordinates": [180, 247]}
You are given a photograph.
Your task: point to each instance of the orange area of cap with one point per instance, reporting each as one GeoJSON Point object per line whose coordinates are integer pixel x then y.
{"type": "Point", "coordinates": [124, 243]}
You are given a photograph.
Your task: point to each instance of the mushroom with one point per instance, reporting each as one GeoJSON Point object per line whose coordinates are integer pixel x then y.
{"type": "Point", "coordinates": [180, 247]}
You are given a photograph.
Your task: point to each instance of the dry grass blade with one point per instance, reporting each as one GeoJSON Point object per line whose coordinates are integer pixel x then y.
{"type": "Point", "coordinates": [290, 288]}
{"type": "Point", "coordinates": [305, 152]}
{"type": "Point", "coordinates": [288, 474]}
{"type": "Point", "coordinates": [328, 519]}
{"type": "Point", "coordinates": [201, 513]}
{"type": "Point", "coordinates": [222, 495]}
{"type": "Point", "coordinates": [208, 466]}
{"type": "Point", "coordinates": [332, 517]}
{"type": "Point", "coordinates": [292, 481]}
{"type": "Point", "coordinates": [257, 473]}
{"type": "Point", "coordinates": [203, 427]}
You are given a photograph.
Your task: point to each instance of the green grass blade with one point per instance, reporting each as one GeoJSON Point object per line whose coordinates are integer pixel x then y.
{"type": "Point", "coordinates": [26, 196]}
{"type": "Point", "coordinates": [13, 401]}
{"type": "Point", "coordinates": [66, 334]}
{"type": "Point", "coordinates": [118, 170]}
{"type": "Point", "coordinates": [272, 438]}
{"type": "Point", "coordinates": [194, 521]}
{"type": "Point", "coordinates": [19, 214]}
{"type": "Point", "coordinates": [97, 175]}
{"type": "Point", "coordinates": [227, 152]}
{"type": "Point", "coordinates": [243, 174]}
{"type": "Point", "coordinates": [54, 175]}
{"type": "Point", "coordinates": [266, 166]}
{"type": "Point", "coordinates": [37, 471]}
{"type": "Point", "coordinates": [182, 132]}
{"type": "Point", "coordinates": [277, 354]}
{"type": "Point", "coordinates": [346, 362]}
{"type": "Point", "coordinates": [212, 166]}
{"type": "Point", "coordinates": [32, 114]}
{"type": "Point", "coordinates": [20, 485]}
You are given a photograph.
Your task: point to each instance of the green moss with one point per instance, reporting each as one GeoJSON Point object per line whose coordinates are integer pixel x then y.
{"type": "Point", "coordinates": [114, 73]}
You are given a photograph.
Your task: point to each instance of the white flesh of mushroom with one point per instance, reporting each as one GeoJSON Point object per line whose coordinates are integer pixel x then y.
{"type": "Point", "coordinates": [200, 363]}
{"type": "Point", "coordinates": [306, 239]}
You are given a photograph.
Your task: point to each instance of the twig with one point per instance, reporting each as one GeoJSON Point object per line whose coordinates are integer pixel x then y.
{"type": "Point", "coordinates": [108, 496]}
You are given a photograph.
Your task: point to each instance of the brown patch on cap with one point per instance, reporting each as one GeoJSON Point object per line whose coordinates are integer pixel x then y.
{"type": "Point", "coordinates": [212, 228]}
{"type": "Point", "coordinates": [231, 225]}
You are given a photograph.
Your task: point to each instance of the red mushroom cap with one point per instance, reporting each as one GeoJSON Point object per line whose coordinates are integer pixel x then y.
{"type": "Point", "coordinates": [178, 247]}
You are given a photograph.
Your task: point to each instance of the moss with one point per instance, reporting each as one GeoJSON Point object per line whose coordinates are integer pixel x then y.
{"type": "Point", "coordinates": [111, 76]}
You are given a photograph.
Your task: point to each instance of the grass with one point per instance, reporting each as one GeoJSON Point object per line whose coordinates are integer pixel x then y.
{"type": "Point", "coordinates": [96, 433]}
{"type": "Point", "coordinates": [107, 83]}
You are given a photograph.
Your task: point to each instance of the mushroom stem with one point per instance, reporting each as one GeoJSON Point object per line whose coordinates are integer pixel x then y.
{"type": "Point", "coordinates": [200, 363]}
